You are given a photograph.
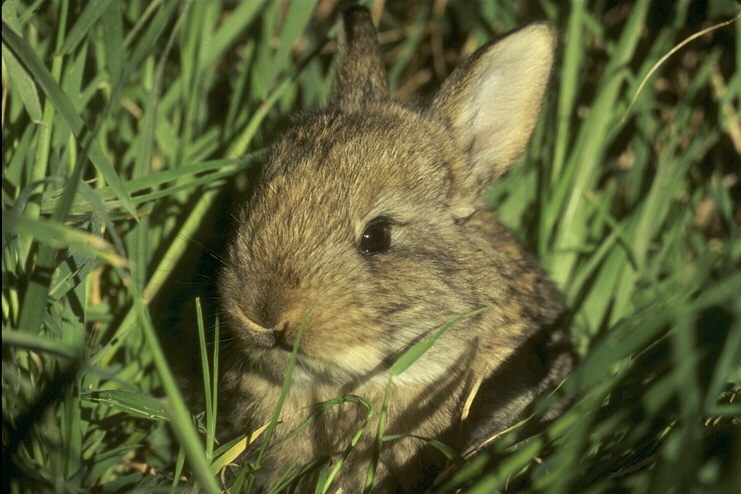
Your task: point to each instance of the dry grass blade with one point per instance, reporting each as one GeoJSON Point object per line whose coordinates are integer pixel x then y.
{"type": "Point", "coordinates": [669, 54]}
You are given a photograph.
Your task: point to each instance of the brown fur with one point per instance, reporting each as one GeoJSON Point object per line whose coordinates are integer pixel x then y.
{"type": "Point", "coordinates": [296, 250]}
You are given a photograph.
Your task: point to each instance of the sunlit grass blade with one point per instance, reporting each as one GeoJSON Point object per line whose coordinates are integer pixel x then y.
{"type": "Point", "coordinates": [589, 151]}
{"type": "Point", "coordinates": [58, 235]}
{"type": "Point", "coordinates": [419, 348]}
{"type": "Point", "coordinates": [231, 451]}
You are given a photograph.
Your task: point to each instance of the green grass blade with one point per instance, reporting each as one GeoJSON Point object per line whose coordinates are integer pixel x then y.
{"type": "Point", "coordinates": [38, 343]}
{"type": "Point", "coordinates": [297, 18]}
{"type": "Point", "coordinates": [283, 393]}
{"type": "Point", "coordinates": [83, 25]}
{"type": "Point", "coordinates": [112, 24]}
{"type": "Point", "coordinates": [419, 348]}
{"type": "Point", "coordinates": [175, 406]}
{"type": "Point", "coordinates": [58, 235]}
{"type": "Point", "coordinates": [589, 150]}
{"type": "Point", "coordinates": [67, 110]}
{"type": "Point", "coordinates": [235, 24]}
{"type": "Point", "coordinates": [22, 82]}
{"type": "Point", "coordinates": [132, 403]}
{"type": "Point", "coordinates": [206, 378]}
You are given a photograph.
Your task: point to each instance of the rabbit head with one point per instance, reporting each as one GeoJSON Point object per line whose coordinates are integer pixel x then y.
{"type": "Point", "coordinates": [367, 220]}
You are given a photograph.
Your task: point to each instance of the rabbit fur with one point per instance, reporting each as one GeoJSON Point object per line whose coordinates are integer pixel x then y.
{"type": "Point", "coordinates": [408, 181]}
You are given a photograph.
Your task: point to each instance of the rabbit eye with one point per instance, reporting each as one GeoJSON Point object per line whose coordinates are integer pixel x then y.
{"type": "Point", "coordinates": [376, 238]}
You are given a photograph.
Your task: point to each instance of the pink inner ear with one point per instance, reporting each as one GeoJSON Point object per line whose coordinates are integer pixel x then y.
{"type": "Point", "coordinates": [492, 102]}
{"type": "Point", "coordinates": [507, 93]}
{"type": "Point", "coordinates": [486, 136]}
{"type": "Point", "coordinates": [497, 126]}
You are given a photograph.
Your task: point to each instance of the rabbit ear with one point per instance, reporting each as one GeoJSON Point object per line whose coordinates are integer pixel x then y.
{"type": "Point", "coordinates": [361, 75]}
{"type": "Point", "coordinates": [492, 102]}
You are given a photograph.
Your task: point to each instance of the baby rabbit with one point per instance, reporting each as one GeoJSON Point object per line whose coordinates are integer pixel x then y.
{"type": "Point", "coordinates": [369, 217]}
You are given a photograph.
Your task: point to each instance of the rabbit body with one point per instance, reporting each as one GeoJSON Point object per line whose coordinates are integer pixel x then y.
{"type": "Point", "coordinates": [367, 221]}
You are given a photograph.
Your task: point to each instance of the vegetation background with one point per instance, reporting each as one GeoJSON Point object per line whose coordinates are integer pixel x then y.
{"type": "Point", "coordinates": [124, 123]}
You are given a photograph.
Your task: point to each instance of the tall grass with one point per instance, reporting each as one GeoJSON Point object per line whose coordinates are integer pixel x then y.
{"type": "Point", "coordinates": [123, 122]}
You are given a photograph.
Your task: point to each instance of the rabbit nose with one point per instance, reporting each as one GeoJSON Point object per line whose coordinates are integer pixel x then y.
{"type": "Point", "coordinates": [257, 333]}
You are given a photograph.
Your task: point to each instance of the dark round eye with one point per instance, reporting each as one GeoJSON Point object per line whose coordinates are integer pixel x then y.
{"type": "Point", "coordinates": [376, 238]}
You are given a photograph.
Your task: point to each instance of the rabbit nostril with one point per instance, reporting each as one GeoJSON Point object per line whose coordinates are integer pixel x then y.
{"type": "Point", "coordinates": [256, 333]}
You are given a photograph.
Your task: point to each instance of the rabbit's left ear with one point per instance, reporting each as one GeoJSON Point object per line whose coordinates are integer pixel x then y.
{"type": "Point", "coordinates": [492, 102]}
{"type": "Point", "coordinates": [361, 76]}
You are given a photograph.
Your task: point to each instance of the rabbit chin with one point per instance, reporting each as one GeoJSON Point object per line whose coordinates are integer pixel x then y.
{"type": "Point", "coordinates": [366, 365]}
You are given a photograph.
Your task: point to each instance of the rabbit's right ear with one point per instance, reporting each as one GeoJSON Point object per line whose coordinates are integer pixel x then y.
{"type": "Point", "coordinates": [491, 103]}
{"type": "Point", "coordinates": [361, 76]}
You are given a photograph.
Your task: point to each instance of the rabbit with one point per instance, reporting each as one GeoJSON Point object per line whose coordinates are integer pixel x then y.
{"type": "Point", "coordinates": [367, 225]}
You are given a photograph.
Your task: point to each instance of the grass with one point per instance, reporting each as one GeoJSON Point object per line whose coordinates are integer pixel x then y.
{"type": "Point", "coordinates": [122, 124]}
